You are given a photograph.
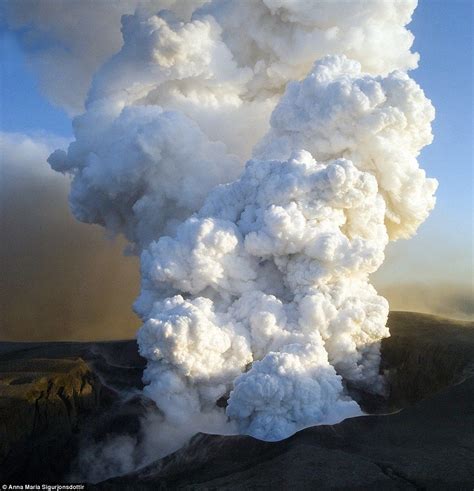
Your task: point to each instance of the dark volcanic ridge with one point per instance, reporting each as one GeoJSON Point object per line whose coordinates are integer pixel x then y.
{"type": "Point", "coordinates": [57, 398]}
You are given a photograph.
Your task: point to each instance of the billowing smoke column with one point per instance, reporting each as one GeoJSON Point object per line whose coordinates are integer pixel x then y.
{"type": "Point", "coordinates": [255, 276]}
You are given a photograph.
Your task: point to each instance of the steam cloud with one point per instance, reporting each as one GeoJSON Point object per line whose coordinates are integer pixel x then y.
{"type": "Point", "coordinates": [255, 276]}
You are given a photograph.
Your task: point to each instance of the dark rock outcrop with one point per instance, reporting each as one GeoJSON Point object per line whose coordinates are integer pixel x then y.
{"type": "Point", "coordinates": [41, 403]}
{"type": "Point", "coordinates": [50, 393]}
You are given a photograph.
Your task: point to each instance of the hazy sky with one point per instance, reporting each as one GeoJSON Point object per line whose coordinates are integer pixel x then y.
{"type": "Point", "coordinates": [431, 269]}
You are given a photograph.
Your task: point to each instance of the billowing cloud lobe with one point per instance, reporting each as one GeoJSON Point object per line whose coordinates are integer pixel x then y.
{"type": "Point", "coordinates": [255, 273]}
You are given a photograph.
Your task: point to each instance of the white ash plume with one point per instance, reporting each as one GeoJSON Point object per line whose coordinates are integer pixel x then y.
{"type": "Point", "coordinates": [257, 290]}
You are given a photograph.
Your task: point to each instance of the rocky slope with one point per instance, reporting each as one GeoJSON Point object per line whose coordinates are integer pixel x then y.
{"type": "Point", "coordinates": [50, 393]}
{"type": "Point", "coordinates": [428, 446]}
{"type": "Point", "coordinates": [54, 395]}
{"type": "Point", "coordinates": [42, 399]}
{"type": "Point", "coordinates": [424, 354]}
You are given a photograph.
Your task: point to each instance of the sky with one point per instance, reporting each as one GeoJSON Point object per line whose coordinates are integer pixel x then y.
{"type": "Point", "coordinates": [442, 249]}
{"type": "Point", "coordinates": [419, 274]}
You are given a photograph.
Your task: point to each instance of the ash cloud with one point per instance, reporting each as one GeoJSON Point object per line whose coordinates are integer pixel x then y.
{"type": "Point", "coordinates": [64, 56]}
{"type": "Point", "coordinates": [255, 273]}
{"type": "Point", "coordinates": [61, 280]}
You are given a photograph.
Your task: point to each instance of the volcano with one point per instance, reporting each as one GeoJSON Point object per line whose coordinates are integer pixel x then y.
{"type": "Point", "coordinates": [58, 398]}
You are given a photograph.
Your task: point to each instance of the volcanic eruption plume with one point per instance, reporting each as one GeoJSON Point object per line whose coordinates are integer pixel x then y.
{"type": "Point", "coordinates": [255, 273]}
